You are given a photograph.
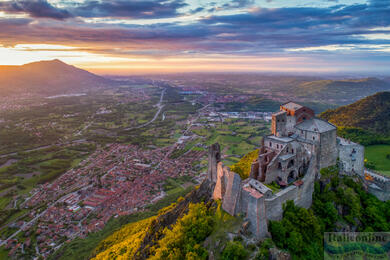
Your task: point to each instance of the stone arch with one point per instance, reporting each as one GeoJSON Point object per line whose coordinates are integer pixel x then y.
{"type": "Point", "coordinates": [301, 171]}
{"type": "Point", "coordinates": [290, 163]}
{"type": "Point", "coordinates": [291, 176]}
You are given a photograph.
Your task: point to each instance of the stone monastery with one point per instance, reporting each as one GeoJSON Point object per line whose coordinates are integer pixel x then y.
{"type": "Point", "coordinates": [291, 157]}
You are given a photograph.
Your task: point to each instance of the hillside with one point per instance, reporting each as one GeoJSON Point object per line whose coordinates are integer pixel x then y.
{"type": "Point", "coordinates": [341, 91]}
{"type": "Point", "coordinates": [371, 113]}
{"type": "Point", "coordinates": [196, 228]}
{"type": "Point", "coordinates": [47, 77]}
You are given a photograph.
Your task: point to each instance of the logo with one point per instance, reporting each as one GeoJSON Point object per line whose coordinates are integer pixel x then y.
{"type": "Point", "coordinates": [357, 245]}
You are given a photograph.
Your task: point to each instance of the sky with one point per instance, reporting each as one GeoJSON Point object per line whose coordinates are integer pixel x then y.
{"type": "Point", "coordinates": [168, 36]}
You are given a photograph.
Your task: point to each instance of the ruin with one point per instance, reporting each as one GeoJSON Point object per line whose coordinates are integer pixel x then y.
{"type": "Point", "coordinates": [290, 158]}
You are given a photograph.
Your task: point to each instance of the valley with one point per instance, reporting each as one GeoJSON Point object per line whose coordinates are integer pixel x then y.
{"type": "Point", "coordinates": [75, 165]}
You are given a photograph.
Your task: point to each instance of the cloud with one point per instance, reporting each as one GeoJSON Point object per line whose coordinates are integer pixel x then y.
{"type": "Point", "coordinates": [152, 9]}
{"type": "Point", "coordinates": [149, 9]}
{"type": "Point", "coordinates": [34, 8]}
{"type": "Point", "coordinates": [276, 30]}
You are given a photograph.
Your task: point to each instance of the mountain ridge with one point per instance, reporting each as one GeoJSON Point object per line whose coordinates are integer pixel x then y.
{"type": "Point", "coordinates": [48, 77]}
{"type": "Point", "coordinates": [370, 113]}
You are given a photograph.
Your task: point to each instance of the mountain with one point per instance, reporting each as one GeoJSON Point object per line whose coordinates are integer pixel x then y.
{"type": "Point", "coordinates": [47, 77]}
{"type": "Point", "coordinates": [341, 91]}
{"type": "Point", "coordinates": [370, 113]}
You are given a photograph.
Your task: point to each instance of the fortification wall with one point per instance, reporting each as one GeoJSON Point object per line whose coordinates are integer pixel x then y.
{"type": "Point", "coordinates": [301, 195]}
{"type": "Point", "coordinates": [214, 159]}
{"type": "Point", "coordinates": [232, 197]}
{"type": "Point", "coordinates": [274, 205]}
{"type": "Point", "coordinates": [255, 212]}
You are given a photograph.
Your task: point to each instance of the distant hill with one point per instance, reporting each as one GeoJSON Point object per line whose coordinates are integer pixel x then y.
{"type": "Point", "coordinates": [341, 91]}
{"type": "Point", "coordinates": [370, 113]}
{"type": "Point", "coordinates": [48, 77]}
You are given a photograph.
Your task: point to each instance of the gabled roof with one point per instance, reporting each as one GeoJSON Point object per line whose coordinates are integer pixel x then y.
{"type": "Point", "coordinates": [292, 106]}
{"type": "Point", "coordinates": [315, 125]}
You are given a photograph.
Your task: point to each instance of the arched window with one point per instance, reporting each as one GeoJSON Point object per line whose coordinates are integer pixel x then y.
{"type": "Point", "coordinates": [290, 164]}
{"type": "Point", "coordinates": [279, 166]}
{"type": "Point", "coordinates": [270, 144]}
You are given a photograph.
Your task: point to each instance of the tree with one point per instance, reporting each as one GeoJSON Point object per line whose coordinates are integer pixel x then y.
{"type": "Point", "coordinates": [234, 250]}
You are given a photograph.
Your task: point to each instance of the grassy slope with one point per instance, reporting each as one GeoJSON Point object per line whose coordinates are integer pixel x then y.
{"type": "Point", "coordinates": [377, 155]}
{"type": "Point", "coordinates": [338, 90]}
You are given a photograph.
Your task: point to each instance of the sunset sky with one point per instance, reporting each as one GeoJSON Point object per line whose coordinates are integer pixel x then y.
{"type": "Point", "coordinates": [125, 37]}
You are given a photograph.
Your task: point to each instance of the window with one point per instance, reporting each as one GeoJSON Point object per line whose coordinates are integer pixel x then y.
{"type": "Point", "coordinates": [277, 146]}
{"type": "Point", "coordinates": [270, 144]}
{"type": "Point", "coordinates": [314, 138]}
{"type": "Point", "coordinates": [292, 150]}
{"type": "Point", "coordinates": [287, 149]}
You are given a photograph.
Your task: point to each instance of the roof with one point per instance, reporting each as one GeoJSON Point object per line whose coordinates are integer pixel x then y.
{"type": "Point", "coordinates": [260, 187]}
{"type": "Point", "coordinates": [286, 156]}
{"type": "Point", "coordinates": [292, 106]}
{"type": "Point", "coordinates": [283, 139]}
{"type": "Point", "coordinates": [252, 192]}
{"type": "Point", "coordinates": [279, 113]}
{"type": "Point", "coordinates": [315, 125]}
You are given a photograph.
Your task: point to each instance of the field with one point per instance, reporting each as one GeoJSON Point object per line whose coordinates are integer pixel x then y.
{"type": "Point", "coordinates": [237, 137]}
{"type": "Point", "coordinates": [378, 155]}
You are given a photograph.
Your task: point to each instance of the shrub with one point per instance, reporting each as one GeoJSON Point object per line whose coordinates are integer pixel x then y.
{"type": "Point", "coordinates": [234, 251]}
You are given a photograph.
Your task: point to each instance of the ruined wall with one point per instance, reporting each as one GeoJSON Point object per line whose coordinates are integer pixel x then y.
{"type": "Point", "coordinates": [214, 159]}
{"type": "Point", "coordinates": [220, 186]}
{"type": "Point", "coordinates": [232, 197]}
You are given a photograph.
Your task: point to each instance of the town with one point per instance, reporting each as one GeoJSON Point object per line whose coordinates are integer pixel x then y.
{"type": "Point", "coordinates": [115, 180]}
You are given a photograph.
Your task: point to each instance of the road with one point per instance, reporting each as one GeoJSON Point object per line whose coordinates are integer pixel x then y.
{"type": "Point", "coordinates": [159, 105]}
{"type": "Point", "coordinates": [189, 125]}
{"type": "Point", "coordinates": [42, 147]}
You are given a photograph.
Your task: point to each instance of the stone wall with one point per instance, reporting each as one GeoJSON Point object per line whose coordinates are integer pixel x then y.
{"type": "Point", "coordinates": [377, 184]}
{"type": "Point", "coordinates": [232, 197]}
{"type": "Point", "coordinates": [244, 197]}
{"type": "Point", "coordinates": [254, 207]}
{"type": "Point", "coordinates": [301, 195]}
{"type": "Point", "coordinates": [351, 157]}
{"type": "Point", "coordinates": [214, 159]}
{"type": "Point", "coordinates": [278, 126]}
{"type": "Point", "coordinates": [328, 149]}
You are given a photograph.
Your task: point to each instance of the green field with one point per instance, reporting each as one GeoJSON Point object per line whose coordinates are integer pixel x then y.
{"type": "Point", "coordinates": [377, 154]}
